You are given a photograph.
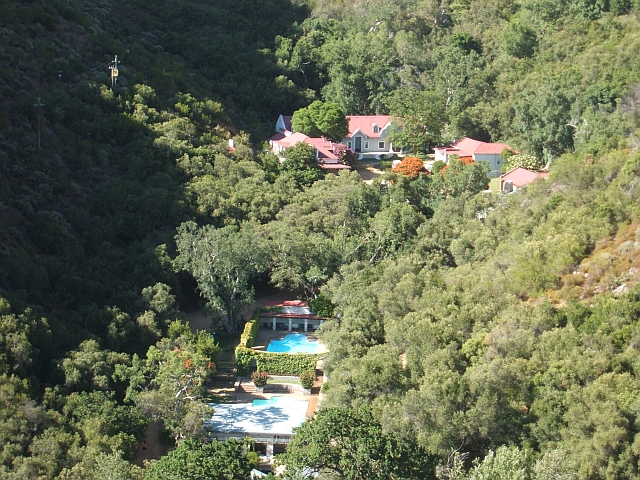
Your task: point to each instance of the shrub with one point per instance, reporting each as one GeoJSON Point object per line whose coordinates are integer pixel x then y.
{"type": "Point", "coordinates": [410, 167]}
{"type": "Point", "coordinates": [250, 332]}
{"type": "Point", "coordinates": [437, 166]}
{"type": "Point", "coordinates": [259, 378]}
{"type": "Point", "coordinates": [307, 378]}
{"type": "Point", "coordinates": [523, 160]}
{"type": "Point", "coordinates": [322, 306]}
{"type": "Point", "coordinates": [275, 363]}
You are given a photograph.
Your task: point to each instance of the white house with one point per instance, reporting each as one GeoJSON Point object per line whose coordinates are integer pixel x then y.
{"type": "Point", "coordinates": [368, 134]}
{"type": "Point", "coordinates": [477, 150]}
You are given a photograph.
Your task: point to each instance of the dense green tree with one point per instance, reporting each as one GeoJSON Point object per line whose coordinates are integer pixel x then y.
{"type": "Point", "coordinates": [104, 465]}
{"type": "Point", "coordinates": [91, 367]}
{"type": "Point", "coordinates": [169, 383]}
{"type": "Point", "coordinates": [301, 164]}
{"type": "Point", "coordinates": [321, 119]}
{"type": "Point", "coordinates": [193, 460]}
{"type": "Point", "coordinates": [518, 40]}
{"type": "Point", "coordinates": [419, 118]}
{"type": "Point", "coordinates": [330, 120]}
{"type": "Point", "coordinates": [302, 121]}
{"type": "Point", "coordinates": [508, 463]}
{"type": "Point", "coordinates": [223, 261]}
{"type": "Point", "coordinates": [541, 117]}
{"type": "Point", "coordinates": [351, 444]}
{"type": "Point", "coordinates": [466, 42]}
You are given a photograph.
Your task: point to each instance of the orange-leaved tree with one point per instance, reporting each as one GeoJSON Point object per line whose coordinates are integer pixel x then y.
{"type": "Point", "coordinates": [410, 167]}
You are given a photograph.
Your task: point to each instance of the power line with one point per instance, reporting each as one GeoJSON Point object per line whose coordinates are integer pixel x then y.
{"type": "Point", "coordinates": [113, 66]}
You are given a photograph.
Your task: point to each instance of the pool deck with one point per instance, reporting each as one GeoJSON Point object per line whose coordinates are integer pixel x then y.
{"type": "Point", "coordinates": [247, 394]}
{"type": "Point", "coordinates": [276, 419]}
{"type": "Point", "coordinates": [265, 336]}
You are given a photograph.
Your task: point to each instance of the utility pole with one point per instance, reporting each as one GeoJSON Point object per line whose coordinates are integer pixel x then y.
{"type": "Point", "coordinates": [39, 105]}
{"type": "Point", "coordinates": [113, 66]}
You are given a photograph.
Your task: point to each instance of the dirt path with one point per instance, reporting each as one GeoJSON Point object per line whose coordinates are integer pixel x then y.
{"type": "Point", "coordinates": [369, 173]}
{"type": "Point", "coordinates": [150, 448]}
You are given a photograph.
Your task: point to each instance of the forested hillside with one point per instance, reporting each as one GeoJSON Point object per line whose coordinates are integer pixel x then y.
{"type": "Point", "coordinates": [466, 321]}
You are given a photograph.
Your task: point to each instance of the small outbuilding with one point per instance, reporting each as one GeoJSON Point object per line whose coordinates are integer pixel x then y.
{"type": "Point", "coordinates": [290, 315]}
{"type": "Point", "coordinates": [518, 178]}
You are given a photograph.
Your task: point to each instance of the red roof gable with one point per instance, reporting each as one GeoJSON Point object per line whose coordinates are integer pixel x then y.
{"type": "Point", "coordinates": [293, 139]}
{"type": "Point", "coordinates": [492, 148]}
{"type": "Point", "coordinates": [521, 176]}
{"type": "Point", "coordinates": [365, 124]}
{"type": "Point", "coordinates": [324, 148]}
{"type": "Point", "coordinates": [476, 147]}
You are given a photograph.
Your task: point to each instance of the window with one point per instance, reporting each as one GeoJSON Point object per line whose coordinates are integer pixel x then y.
{"type": "Point", "coordinates": [376, 129]}
{"type": "Point", "coordinates": [381, 145]}
{"type": "Point", "coordinates": [349, 144]}
{"type": "Point", "coordinates": [366, 144]}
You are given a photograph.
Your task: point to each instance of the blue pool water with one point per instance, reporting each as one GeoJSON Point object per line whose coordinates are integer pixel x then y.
{"type": "Point", "coordinates": [293, 343]}
{"type": "Point", "coordinates": [259, 402]}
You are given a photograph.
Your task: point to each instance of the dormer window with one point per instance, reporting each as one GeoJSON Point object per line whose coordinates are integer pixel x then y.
{"type": "Point", "coordinates": [376, 128]}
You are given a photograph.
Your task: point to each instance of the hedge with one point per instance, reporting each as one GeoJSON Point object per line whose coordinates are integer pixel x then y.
{"type": "Point", "coordinates": [250, 332]}
{"type": "Point", "coordinates": [275, 363]}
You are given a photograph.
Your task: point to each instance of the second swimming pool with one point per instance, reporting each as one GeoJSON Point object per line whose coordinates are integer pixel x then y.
{"type": "Point", "coordinates": [293, 343]}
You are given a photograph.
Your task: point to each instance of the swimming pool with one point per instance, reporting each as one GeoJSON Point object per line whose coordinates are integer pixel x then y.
{"type": "Point", "coordinates": [293, 343]}
{"type": "Point", "coordinates": [276, 400]}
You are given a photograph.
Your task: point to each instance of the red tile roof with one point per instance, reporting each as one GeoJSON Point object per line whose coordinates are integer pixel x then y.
{"type": "Point", "coordinates": [293, 139]}
{"type": "Point", "coordinates": [365, 124]}
{"type": "Point", "coordinates": [491, 148]}
{"type": "Point", "coordinates": [521, 176]}
{"type": "Point", "coordinates": [324, 148]}
{"type": "Point", "coordinates": [476, 147]}
{"type": "Point", "coordinates": [286, 303]}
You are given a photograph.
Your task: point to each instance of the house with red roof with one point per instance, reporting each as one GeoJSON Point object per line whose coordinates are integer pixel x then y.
{"type": "Point", "coordinates": [325, 149]}
{"type": "Point", "coordinates": [518, 178]}
{"type": "Point", "coordinates": [477, 150]}
{"type": "Point", "coordinates": [368, 135]}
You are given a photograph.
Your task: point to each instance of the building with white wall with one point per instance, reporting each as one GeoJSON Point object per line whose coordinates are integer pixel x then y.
{"type": "Point", "coordinates": [490, 153]}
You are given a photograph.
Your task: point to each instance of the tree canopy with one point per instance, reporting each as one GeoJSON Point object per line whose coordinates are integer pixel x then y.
{"type": "Point", "coordinates": [351, 444]}
{"type": "Point", "coordinates": [193, 460]}
{"type": "Point", "coordinates": [223, 261]}
{"type": "Point", "coordinates": [502, 327]}
{"type": "Point", "coordinates": [321, 119]}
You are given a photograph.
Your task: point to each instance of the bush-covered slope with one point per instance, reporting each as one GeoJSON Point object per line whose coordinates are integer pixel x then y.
{"type": "Point", "coordinates": [462, 322]}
